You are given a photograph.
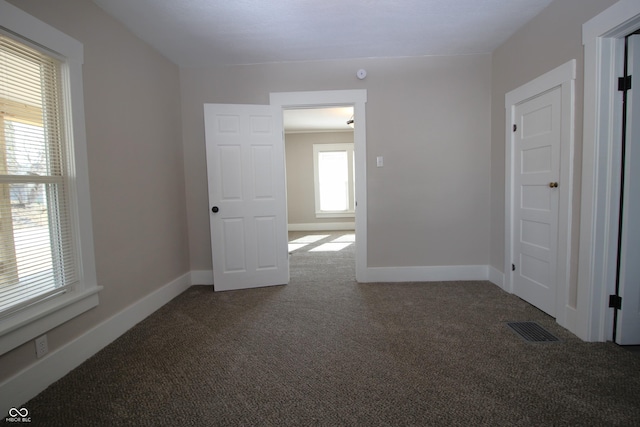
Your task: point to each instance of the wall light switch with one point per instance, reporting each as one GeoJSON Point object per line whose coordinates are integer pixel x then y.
{"type": "Point", "coordinates": [379, 161]}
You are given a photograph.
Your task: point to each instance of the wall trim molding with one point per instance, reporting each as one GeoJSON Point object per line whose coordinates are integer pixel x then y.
{"type": "Point", "coordinates": [201, 277]}
{"type": "Point", "coordinates": [323, 226]}
{"type": "Point", "coordinates": [496, 277]}
{"type": "Point", "coordinates": [427, 274]}
{"type": "Point", "coordinates": [32, 380]}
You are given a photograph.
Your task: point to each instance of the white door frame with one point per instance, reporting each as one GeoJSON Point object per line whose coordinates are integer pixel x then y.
{"type": "Point", "coordinates": [357, 98]}
{"type": "Point", "coordinates": [563, 77]}
{"type": "Point", "coordinates": [603, 40]}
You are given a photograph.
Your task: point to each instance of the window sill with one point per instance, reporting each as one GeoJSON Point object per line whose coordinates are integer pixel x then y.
{"type": "Point", "coordinates": [34, 321]}
{"type": "Point", "coordinates": [349, 214]}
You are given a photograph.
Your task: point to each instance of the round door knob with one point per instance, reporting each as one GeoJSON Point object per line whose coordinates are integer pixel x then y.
{"type": "Point", "coordinates": [553, 184]}
{"type": "Point", "coordinates": [215, 209]}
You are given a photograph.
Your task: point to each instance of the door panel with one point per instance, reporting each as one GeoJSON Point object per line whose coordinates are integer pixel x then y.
{"type": "Point", "coordinates": [266, 229]}
{"type": "Point", "coordinates": [536, 145]}
{"type": "Point", "coordinates": [229, 172]}
{"type": "Point", "coordinates": [245, 170]}
{"type": "Point", "coordinates": [234, 250]}
{"type": "Point", "coordinates": [628, 324]}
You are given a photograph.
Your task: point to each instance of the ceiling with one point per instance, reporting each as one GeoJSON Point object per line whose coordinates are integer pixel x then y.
{"type": "Point", "coordinates": [317, 120]}
{"type": "Point", "coordinates": [194, 33]}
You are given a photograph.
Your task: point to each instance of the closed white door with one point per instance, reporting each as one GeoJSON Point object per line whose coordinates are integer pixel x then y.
{"type": "Point", "coordinates": [536, 165]}
{"type": "Point", "coordinates": [247, 205]}
{"type": "Point", "coordinates": [628, 320]}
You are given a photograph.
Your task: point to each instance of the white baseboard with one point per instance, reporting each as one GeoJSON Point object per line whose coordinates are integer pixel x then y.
{"type": "Point", "coordinates": [427, 274]}
{"type": "Point", "coordinates": [26, 384]}
{"type": "Point", "coordinates": [569, 320]}
{"type": "Point", "coordinates": [401, 274]}
{"type": "Point", "coordinates": [323, 226]}
{"type": "Point", "coordinates": [202, 277]}
{"type": "Point", "coordinates": [496, 277]}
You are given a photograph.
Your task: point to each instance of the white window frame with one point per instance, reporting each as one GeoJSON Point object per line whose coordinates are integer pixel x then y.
{"type": "Point", "coordinates": [29, 323]}
{"type": "Point", "coordinates": [319, 148]}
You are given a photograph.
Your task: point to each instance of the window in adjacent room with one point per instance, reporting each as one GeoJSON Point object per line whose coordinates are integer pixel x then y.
{"type": "Point", "coordinates": [334, 179]}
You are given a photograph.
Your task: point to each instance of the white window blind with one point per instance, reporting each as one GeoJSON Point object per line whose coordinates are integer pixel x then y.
{"type": "Point", "coordinates": [36, 246]}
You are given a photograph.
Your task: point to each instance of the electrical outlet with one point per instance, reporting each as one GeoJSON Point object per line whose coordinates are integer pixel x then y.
{"type": "Point", "coordinates": [42, 347]}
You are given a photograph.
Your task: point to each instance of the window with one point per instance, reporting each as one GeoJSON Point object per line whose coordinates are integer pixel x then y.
{"type": "Point", "coordinates": [47, 267]}
{"type": "Point", "coordinates": [334, 180]}
{"type": "Point", "coordinates": [36, 258]}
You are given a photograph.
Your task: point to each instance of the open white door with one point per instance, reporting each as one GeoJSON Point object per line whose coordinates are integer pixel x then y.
{"type": "Point", "coordinates": [246, 177]}
{"type": "Point", "coordinates": [536, 142]}
{"type": "Point", "coordinates": [628, 320]}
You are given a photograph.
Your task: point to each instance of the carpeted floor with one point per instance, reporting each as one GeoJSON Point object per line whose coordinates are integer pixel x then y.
{"type": "Point", "coordinates": [327, 351]}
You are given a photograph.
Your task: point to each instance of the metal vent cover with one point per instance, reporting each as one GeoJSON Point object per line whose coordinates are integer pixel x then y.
{"type": "Point", "coordinates": [532, 332]}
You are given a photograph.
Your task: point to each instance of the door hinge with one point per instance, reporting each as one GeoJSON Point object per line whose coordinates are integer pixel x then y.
{"type": "Point", "coordinates": [515, 127]}
{"type": "Point", "coordinates": [615, 301]}
{"type": "Point", "coordinates": [624, 83]}
{"type": "Point", "coordinates": [513, 267]}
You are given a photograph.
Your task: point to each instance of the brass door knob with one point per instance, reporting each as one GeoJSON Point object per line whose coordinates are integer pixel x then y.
{"type": "Point", "coordinates": [553, 184]}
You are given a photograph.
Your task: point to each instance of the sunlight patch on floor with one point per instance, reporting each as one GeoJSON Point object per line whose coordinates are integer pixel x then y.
{"type": "Point", "coordinates": [306, 240]}
{"type": "Point", "coordinates": [337, 244]}
{"type": "Point", "coordinates": [311, 238]}
{"type": "Point", "coordinates": [296, 246]}
{"type": "Point", "coordinates": [351, 238]}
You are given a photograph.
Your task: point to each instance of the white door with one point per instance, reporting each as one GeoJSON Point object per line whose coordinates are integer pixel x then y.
{"type": "Point", "coordinates": [628, 321]}
{"type": "Point", "coordinates": [246, 176]}
{"type": "Point", "coordinates": [536, 164]}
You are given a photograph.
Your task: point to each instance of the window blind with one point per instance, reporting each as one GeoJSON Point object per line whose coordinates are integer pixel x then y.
{"type": "Point", "coordinates": [36, 246]}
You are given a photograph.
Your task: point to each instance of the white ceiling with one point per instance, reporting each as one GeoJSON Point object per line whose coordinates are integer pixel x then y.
{"type": "Point", "coordinates": [317, 119]}
{"type": "Point", "coordinates": [224, 32]}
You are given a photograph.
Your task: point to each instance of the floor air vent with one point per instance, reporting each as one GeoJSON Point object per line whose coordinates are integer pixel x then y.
{"type": "Point", "coordinates": [532, 332]}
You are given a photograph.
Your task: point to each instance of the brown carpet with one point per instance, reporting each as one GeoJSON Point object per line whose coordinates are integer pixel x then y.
{"type": "Point", "coordinates": [327, 351]}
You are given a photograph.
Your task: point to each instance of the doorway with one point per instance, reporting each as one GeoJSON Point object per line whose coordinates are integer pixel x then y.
{"type": "Point", "coordinates": [626, 299]}
{"type": "Point", "coordinates": [538, 190]}
{"type": "Point", "coordinates": [603, 39]}
{"type": "Point", "coordinates": [355, 99]}
{"type": "Point", "coordinates": [320, 188]}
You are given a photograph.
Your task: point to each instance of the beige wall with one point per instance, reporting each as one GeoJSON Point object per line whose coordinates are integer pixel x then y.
{"type": "Point", "coordinates": [549, 40]}
{"type": "Point", "coordinates": [428, 117]}
{"type": "Point", "coordinates": [132, 106]}
{"type": "Point", "coordinates": [301, 203]}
